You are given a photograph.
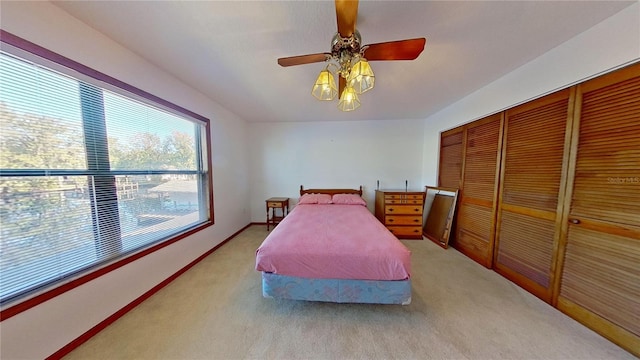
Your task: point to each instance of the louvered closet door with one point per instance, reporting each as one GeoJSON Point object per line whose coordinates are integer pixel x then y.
{"type": "Point", "coordinates": [450, 166]}
{"type": "Point", "coordinates": [476, 211]}
{"type": "Point", "coordinates": [600, 283]}
{"type": "Point", "coordinates": [532, 175]}
{"type": "Point", "coordinates": [450, 169]}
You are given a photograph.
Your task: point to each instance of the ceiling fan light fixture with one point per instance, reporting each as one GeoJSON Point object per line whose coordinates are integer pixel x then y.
{"type": "Point", "coordinates": [325, 87]}
{"type": "Point", "coordinates": [361, 77]}
{"type": "Point", "coordinates": [349, 56]}
{"type": "Point", "coordinates": [349, 99]}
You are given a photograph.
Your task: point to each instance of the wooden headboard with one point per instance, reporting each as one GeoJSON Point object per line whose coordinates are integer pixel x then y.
{"type": "Point", "coordinates": [330, 191]}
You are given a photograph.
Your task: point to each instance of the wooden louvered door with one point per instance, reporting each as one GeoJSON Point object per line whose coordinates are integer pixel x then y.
{"type": "Point", "coordinates": [533, 172]}
{"type": "Point", "coordinates": [475, 227]}
{"type": "Point", "coordinates": [450, 166]}
{"type": "Point", "coordinates": [600, 284]}
{"type": "Point", "coordinates": [451, 157]}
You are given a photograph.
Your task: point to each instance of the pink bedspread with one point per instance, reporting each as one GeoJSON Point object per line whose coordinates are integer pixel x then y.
{"type": "Point", "coordinates": [333, 242]}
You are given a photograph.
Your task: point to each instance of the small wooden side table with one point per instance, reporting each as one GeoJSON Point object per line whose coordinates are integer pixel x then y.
{"type": "Point", "coordinates": [274, 203]}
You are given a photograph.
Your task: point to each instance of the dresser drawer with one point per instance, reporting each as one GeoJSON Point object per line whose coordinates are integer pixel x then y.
{"type": "Point", "coordinates": [403, 201]}
{"type": "Point", "coordinates": [274, 204]}
{"type": "Point", "coordinates": [403, 220]}
{"type": "Point", "coordinates": [403, 197]}
{"type": "Point", "coordinates": [403, 210]}
{"type": "Point", "coordinates": [406, 231]}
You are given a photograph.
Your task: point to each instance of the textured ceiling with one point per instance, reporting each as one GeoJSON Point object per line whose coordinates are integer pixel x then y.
{"type": "Point", "coordinates": [228, 49]}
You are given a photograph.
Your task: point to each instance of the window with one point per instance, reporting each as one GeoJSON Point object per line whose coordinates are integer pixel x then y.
{"type": "Point", "coordinates": [90, 172]}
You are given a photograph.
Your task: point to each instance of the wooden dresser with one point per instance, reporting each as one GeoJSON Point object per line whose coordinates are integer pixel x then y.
{"type": "Point", "coordinates": [401, 212]}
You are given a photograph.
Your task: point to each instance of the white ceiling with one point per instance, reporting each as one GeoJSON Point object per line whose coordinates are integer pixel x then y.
{"type": "Point", "coordinates": [228, 49]}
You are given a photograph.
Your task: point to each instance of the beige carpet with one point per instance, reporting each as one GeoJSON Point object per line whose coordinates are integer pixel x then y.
{"type": "Point", "coordinates": [460, 310]}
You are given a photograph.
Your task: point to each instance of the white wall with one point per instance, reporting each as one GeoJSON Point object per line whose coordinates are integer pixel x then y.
{"type": "Point", "coordinates": [332, 154]}
{"type": "Point", "coordinates": [609, 44]}
{"type": "Point", "coordinates": [44, 329]}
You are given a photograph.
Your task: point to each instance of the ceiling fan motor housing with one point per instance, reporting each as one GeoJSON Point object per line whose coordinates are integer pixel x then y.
{"type": "Point", "coordinates": [344, 49]}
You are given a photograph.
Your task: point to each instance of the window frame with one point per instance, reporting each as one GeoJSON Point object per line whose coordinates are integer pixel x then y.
{"type": "Point", "coordinates": [14, 307]}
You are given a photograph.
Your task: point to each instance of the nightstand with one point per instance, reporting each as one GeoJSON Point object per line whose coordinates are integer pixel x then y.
{"type": "Point", "coordinates": [273, 204]}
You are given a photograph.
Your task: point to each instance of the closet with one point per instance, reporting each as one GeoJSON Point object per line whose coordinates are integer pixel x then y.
{"type": "Point", "coordinates": [600, 283]}
{"type": "Point", "coordinates": [550, 199]}
{"type": "Point", "coordinates": [474, 232]}
{"type": "Point", "coordinates": [534, 160]}
{"type": "Point", "coordinates": [450, 167]}
{"type": "Point", "coordinates": [451, 147]}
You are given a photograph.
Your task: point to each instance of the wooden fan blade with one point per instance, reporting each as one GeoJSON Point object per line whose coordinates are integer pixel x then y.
{"type": "Point", "coordinates": [346, 14]}
{"type": "Point", "coordinates": [395, 50]}
{"type": "Point", "coordinates": [303, 59]}
{"type": "Point", "coordinates": [342, 83]}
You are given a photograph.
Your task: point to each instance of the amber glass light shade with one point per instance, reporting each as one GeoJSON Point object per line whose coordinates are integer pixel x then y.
{"type": "Point", "coordinates": [325, 87]}
{"type": "Point", "coordinates": [361, 77]}
{"type": "Point", "coordinates": [349, 99]}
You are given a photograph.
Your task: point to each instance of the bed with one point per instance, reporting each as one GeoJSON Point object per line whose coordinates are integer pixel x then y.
{"type": "Point", "coordinates": [331, 248]}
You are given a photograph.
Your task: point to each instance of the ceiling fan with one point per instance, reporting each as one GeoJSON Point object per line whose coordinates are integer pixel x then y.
{"type": "Point", "coordinates": [350, 59]}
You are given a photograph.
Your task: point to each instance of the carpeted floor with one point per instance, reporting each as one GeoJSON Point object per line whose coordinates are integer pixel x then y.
{"type": "Point", "coordinates": [459, 310]}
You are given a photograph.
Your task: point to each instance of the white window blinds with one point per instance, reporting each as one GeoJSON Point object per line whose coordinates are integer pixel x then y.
{"type": "Point", "coordinates": [89, 175]}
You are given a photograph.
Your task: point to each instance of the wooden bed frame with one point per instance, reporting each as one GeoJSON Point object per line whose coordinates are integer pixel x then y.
{"type": "Point", "coordinates": [330, 191]}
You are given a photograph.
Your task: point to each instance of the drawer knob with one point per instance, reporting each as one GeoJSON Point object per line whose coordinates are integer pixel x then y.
{"type": "Point", "coordinates": [390, 220]}
{"type": "Point", "coordinates": [574, 221]}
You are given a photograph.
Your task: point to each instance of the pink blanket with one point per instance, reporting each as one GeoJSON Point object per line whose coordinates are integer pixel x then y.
{"type": "Point", "coordinates": [333, 242]}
